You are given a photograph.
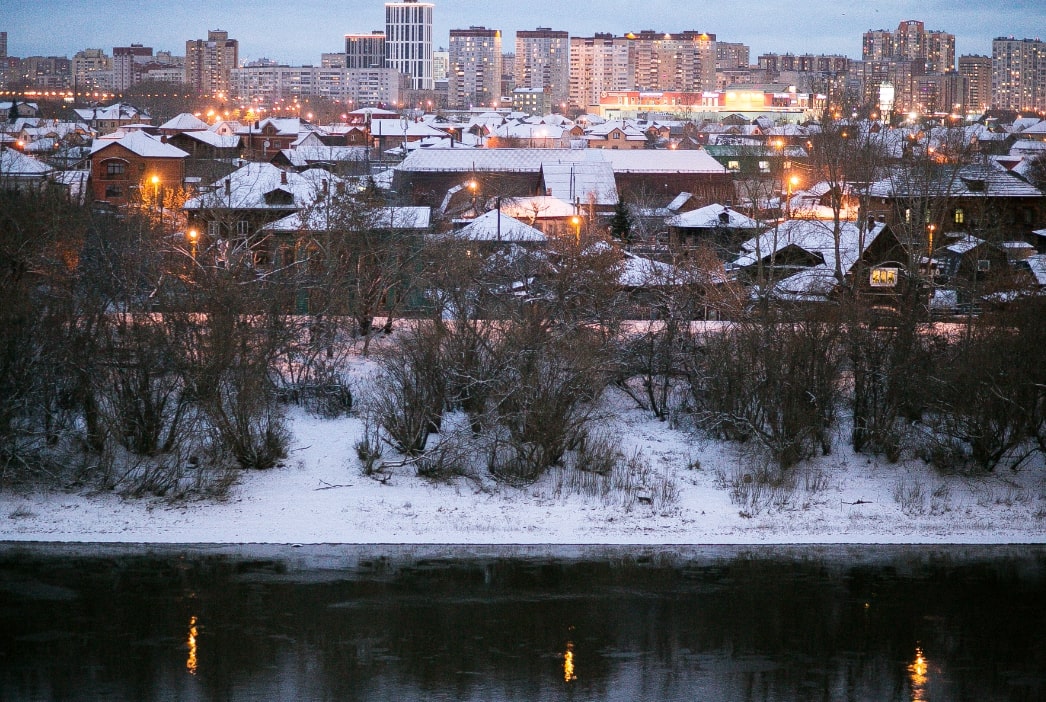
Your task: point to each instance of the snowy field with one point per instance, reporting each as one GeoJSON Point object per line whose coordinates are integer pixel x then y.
{"type": "Point", "coordinates": [320, 495]}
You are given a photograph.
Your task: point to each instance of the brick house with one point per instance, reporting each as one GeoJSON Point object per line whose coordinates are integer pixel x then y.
{"type": "Point", "coordinates": [120, 166]}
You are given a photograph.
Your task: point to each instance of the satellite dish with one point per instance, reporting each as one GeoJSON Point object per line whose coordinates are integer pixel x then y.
{"type": "Point", "coordinates": [266, 144]}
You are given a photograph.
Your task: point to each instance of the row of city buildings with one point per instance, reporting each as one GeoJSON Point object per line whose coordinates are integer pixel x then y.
{"type": "Point", "coordinates": [550, 70]}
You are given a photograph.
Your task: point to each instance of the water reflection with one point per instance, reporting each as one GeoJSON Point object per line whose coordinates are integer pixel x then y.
{"type": "Point", "coordinates": [330, 623]}
{"type": "Point", "coordinates": [190, 663]}
{"type": "Point", "coordinates": [568, 663]}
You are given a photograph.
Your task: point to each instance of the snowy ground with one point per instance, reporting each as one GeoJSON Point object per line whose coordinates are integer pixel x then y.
{"type": "Point", "coordinates": [320, 496]}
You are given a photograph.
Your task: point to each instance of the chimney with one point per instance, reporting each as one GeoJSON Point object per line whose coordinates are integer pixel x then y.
{"type": "Point", "coordinates": [228, 186]}
{"type": "Point", "coordinates": [283, 178]}
{"type": "Point", "coordinates": [871, 221]}
{"type": "Point", "coordinates": [325, 186]}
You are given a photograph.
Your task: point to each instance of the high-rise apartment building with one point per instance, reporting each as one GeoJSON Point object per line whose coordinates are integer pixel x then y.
{"type": "Point", "coordinates": [92, 69]}
{"type": "Point", "coordinates": [127, 62]}
{"type": "Point", "coordinates": [977, 70]}
{"type": "Point", "coordinates": [408, 41]}
{"type": "Point", "coordinates": [598, 64]}
{"type": "Point", "coordinates": [683, 62]}
{"type": "Point", "coordinates": [365, 50]}
{"type": "Point", "coordinates": [208, 62]}
{"type": "Point", "coordinates": [474, 75]}
{"type": "Point", "coordinates": [1018, 74]}
{"type": "Point", "coordinates": [3, 44]}
{"type": "Point", "coordinates": [731, 55]}
{"type": "Point", "coordinates": [929, 51]}
{"type": "Point", "coordinates": [543, 62]}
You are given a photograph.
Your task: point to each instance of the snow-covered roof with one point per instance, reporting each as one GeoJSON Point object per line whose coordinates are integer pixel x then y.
{"type": "Point", "coordinates": [218, 141]}
{"type": "Point", "coordinates": [497, 226]}
{"type": "Point", "coordinates": [639, 272]}
{"type": "Point", "coordinates": [809, 285]}
{"type": "Point", "coordinates": [964, 245]}
{"type": "Point", "coordinates": [185, 122]}
{"type": "Point", "coordinates": [284, 126]}
{"type": "Point", "coordinates": [306, 155]}
{"type": "Point", "coordinates": [15, 164]}
{"type": "Point", "coordinates": [584, 182]}
{"type": "Point", "coordinates": [248, 187]}
{"type": "Point", "coordinates": [322, 218]}
{"type": "Point", "coordinates": [532, 160]}
{"type": "Point", "coordinates": [538, 207]}
{"type": "Point", "coordinates": [395, 128]}
{"type": "Point", "coordinates": [1037, 266]}
{"type": "Point", "coordinates": [116, 111]}
{"type": "Point", "coordinates": [711, 216]}
{"type": "Point", "coordinates": [812, 236]}
{"type": "Point", "coordinates": [989, 180]}
{"type": "Point", "coordinates": [142, 144]}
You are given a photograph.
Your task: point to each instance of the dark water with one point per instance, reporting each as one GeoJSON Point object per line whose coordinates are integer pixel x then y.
{"type": "Point", "coordinates": [432, 623]}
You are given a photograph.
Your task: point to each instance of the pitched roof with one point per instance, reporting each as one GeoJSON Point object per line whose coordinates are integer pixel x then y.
{"type": "Point", "coordinates": [249, 185]}
{"type": "Point", "coordinates": [812, 236]}
{"type": "Point", "coordinates": [532, 160]}
{"type": "Point", "coordinates": [15, 164]}
{"type": "Point", "coordinates": [497, 226]}
{"type": "Point", "coordinates": [585, 182]}
{"type": "Point", "coordinates": [306, 155]}
{"type": "Point", "coordinates": [142, 144]}
{"type": "Point", "coordinates": [317, 219]}
{"type": "Point", "coordinates": [185, 122]}
{"type": "Point", "coordinates": [711, 216]}
{"type": "Point", "coordinates": [987, 180]}
{"type": "Point", "coordinates": [210, 138]}
{"type": "Point", "coordinates": [537, 207]}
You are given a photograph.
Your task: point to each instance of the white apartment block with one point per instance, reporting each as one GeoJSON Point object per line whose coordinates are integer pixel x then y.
{"type": "Point", "coordinates": [359, 86]}
{"type": "Point", "coordinates": [408, 41]}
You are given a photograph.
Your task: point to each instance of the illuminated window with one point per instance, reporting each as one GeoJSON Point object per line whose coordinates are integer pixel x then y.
{"type": "Point", "coordinates": [960, 216]}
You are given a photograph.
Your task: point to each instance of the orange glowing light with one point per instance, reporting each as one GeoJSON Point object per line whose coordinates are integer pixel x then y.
{"type": "Point", "coordinates": [568, 664]}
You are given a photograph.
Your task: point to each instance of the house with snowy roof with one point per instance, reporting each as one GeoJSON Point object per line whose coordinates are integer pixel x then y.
{"type": "Point", "coordinates": [718, 226]}
{"type": "Point", "coordinates": [119, 167]}
{"type": "Point", "coordinates": [256, 194]}
{"type": "Point", "coordinates": [184, 122]}
{"type": "Point", "coordinates": [104, 120]}
{"type": "Point", "coordinates": [800, 258]}
{"type": "Point", "coordinates": [20, 171]}
{"type": "Point", "coordinates": [428, 174]}
{"type": "Point", "coordinates": [972, 199]}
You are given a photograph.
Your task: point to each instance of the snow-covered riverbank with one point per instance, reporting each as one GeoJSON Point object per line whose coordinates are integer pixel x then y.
{"type": "Point", "coordinates": [320, 496]}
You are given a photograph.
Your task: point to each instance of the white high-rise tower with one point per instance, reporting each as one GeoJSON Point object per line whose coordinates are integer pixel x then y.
{"type": "Point", "coordinates": [408, 41]}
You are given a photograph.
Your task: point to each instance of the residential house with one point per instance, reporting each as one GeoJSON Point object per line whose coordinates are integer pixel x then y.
{"type": "Point", "coordinates": [119, 167]}
{"type": "Point", "coordinates": [721, 227]}
{"type": "Point", "coordinates": [103, 120]}
{"type": "Point", "coordinates": [797, 259]}
{"type": "Point", "coordinates": [19, 171]}
{"type": "Point", "coordinates": [398, 231]}
{"type": "Point", "coordinates": [236, 207]}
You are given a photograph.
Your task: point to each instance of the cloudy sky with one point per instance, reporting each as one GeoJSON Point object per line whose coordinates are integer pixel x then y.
{"type": "Point", "coordinates": [298, 31]}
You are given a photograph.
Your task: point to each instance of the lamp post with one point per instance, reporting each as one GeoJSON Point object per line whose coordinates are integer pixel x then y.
{"type": "Point", "coordinates": [576, 221]}
{"type": "Point", "coordinates": [792, 182]}
{"type": "Point", "coordinates": [193, 237]}
{"type": "Point", "coordinates": [156, 197]}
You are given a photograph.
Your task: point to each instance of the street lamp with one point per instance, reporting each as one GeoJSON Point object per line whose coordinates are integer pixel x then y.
{"type": "Point", "coordinates": [156, 196]}
{"type": "Point", "coordinates": [193, 237]}
{"type": "Point", "coordinates": [792, 182]}
{"type": "Point", "coordinates": [576, 221]}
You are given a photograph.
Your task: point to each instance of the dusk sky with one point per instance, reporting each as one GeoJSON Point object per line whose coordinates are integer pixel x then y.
{"type": "Point", "coordinates": [298, 31]}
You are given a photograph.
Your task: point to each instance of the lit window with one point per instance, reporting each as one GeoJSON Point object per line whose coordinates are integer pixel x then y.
{"type": "Point", "coordinates": [960, 216]}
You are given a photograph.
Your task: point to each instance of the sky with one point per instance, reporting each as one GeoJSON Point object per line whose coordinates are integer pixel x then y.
{"type": "Point", "coordinates": [296, 32]}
